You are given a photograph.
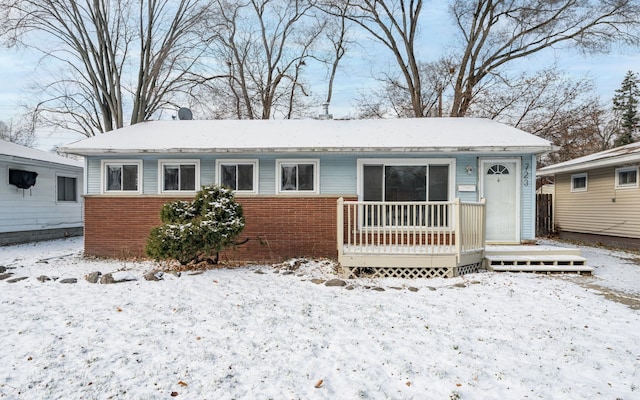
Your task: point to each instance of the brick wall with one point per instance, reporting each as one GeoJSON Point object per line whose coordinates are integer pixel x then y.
{"type": "Point", "coordinates": [277, 227]}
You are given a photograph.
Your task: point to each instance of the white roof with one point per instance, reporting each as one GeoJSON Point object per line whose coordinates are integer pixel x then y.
{"type": "Point", "coordinates": [28, 154]}
{"type": "Point", "coordinates": [251, 136]}
{"type": "Point", "coordinates": [616, 156]}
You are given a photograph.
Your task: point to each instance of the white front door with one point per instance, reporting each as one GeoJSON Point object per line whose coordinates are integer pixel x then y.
{"type": "Point", "coordinates": [501, 190]}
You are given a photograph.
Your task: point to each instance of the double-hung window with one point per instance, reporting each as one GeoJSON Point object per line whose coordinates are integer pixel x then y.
{"type": "Point", "coordinates": [122, 176]}
{"type": "Point", "coordinates": [579, 183]}
{"type": "Point", "coordinates": [238, 175]}
{"type": "Point", "coordinates": [66, 188]}
{"type": "Point", "coordinates": [626, 177]}
{"type": "Point", "coordinates": [179, 175]}
{"type": "Point", "coordinates": [298, 176]}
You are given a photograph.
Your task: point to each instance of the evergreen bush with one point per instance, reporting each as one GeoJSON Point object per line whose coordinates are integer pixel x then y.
{"type": "Point", "coordinates": [195, 231]}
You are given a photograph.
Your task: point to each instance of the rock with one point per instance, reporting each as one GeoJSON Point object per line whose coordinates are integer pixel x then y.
{"type": "Point", "coordinates": [153, 275]}
{"type": "Point", "coordinates": [14, 280]}
{"type": "Point", "coordinates": [460, 285]}
{"type": "Point", "coordinates": [432, 288]}
{"type": "Point", "coordinates": [42, 262]}
{"type": "Point", "coordinates": [43, 278]}
{"type": "Point", "coordinates": [378, 289]}
{"type": "Point", "coordinates": [350, 287]}
{"type": "Point", "coordinates": [93, 277]}
{"type": "Point", "coordinates": [69, 280]}
{"type": "Point", "coordinates": [3, 269]}
{"type": "Point", "coordinates": [335, 282]}
{"type": "Point", "coordinates": [5, 276]}
{"type": "Point", "coordinates": [412, 289]}
{"type": "Point", "coordinates": [258, 271]}
{"type": "Point", "coordinates": [107, 279]}
{"type": "Point", "coordinates": [317, 281]}
{"type": "Point", "coordinates": [287, 273]}
{"type": "Point", "coordinates": [175, 273]}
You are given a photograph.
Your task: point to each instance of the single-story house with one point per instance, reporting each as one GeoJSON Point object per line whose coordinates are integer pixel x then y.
{"type": "Point", "coordinates": [40, 195]}
{"type": "Point", "coordinates": [372, 193]}
{"type": "Point", "coordinates": [597, 197]}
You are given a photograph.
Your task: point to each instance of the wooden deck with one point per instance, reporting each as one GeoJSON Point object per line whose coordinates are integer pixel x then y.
{"type": "Point", "coordinates": [410, 239]}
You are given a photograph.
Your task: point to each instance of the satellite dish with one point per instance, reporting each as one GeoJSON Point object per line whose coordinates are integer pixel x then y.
{"type": "Point", "coordinates": [184, 114]}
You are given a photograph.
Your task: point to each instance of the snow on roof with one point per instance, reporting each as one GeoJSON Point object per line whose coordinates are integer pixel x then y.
{"type": "Point", "coordinates": [393, 135]}
{"type": "Point", "coordinates": [615, 156]}
{"type": "Point", "coordinates": [27, 153]}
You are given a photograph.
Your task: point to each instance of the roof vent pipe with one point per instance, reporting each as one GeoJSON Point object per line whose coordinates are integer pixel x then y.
{"type": "Point", "coordinates": [325, 112]}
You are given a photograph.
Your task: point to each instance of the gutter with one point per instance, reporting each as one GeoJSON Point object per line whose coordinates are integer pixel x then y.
{"type": "Point", "coordinates": [551, 170]}
{"type": "Point", "coordinates": [466, 149]}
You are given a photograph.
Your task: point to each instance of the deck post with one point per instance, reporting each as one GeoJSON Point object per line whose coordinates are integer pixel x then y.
{"type": "Point", "coordinates": [457, 216]}
{"type": "Point", "coordinates": [340, 227]}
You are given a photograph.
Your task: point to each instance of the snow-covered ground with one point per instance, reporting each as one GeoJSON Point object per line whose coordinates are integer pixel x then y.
{"type": "Point", "coordinates": [238, 334]}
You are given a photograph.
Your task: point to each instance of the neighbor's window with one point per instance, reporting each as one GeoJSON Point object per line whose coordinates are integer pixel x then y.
{"type": "Point", "coordinates": [297, 176]}
{"type": "Point", "coordinates": [66, 187]}
{"type": "Point", "coordinates": [238, 175]}
{"type": "Point", "coordinates": [579, 183]}
{"type": "Point", "coordinates": [626, 177]}
{"type": "Point", "coordinates": [179, 175]}
{"type": "Point", "coordinates": [122, 176]}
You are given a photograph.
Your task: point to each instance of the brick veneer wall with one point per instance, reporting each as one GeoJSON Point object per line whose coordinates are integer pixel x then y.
{"type": "Point", "coordinates": [277, 227]}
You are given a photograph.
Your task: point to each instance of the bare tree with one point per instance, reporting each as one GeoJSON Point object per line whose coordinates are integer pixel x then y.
{"type": "Point", "coordinates": [21, 133]}
{"type": "Point", "coordinates": [496, 32]}
{"type": "Point", "coordinates": [391, 99]}
{"type": "Point", "coordinates": [262, 48]}
{"type": "Point", "coordinates": [393, 23]}
{"type": "Point", "coordinates": [551, 105]}
{"type": "Point", "coordinates": [117, 58]}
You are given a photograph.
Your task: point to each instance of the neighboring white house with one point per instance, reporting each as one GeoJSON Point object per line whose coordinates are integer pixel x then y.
{"type": "Point", "coordinates": [40, 195]}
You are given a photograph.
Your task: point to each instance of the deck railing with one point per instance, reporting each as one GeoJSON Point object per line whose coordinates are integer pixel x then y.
{"type": "Point", "coordinates": [369, 227]}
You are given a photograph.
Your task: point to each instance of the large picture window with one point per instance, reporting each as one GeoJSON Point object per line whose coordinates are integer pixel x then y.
{"type": "Point", "coordinates": [627, 178]}
{"type": "Point", "coordinates": [179, 175]}
{"type": "Point", "coordinates": [297, 176]}
{"type": "Point", "coordinates": [66, 188]}
{"type": "Point", "coordinates": [401, 181]}
{"type": "Point", "coordinates": [238, 175]}
{"type": "Point", "coordinates": [121, 176]}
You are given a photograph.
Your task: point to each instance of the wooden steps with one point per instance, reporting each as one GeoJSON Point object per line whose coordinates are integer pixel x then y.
{"type": "Point", "coordinates": [542, 259]}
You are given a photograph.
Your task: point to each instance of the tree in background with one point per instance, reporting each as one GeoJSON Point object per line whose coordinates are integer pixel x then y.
{"type": "Point", "coordinates": [259, 50]}
{"type": "Point", "coordinates": [625, 107]}
{"type": "Point", "coordinates": [113, 59]}
{"type": "Point", "coordinates": [23, 134]}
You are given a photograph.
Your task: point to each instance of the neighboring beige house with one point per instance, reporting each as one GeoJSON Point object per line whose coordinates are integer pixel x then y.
{"type": "Point", "coordinates": [597, 197]}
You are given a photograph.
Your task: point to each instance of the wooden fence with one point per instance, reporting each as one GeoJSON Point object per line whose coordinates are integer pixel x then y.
{"type": "Point", "coordinates": [544, 215]}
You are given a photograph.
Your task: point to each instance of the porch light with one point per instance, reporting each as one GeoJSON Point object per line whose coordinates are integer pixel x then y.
{"type": "Point", "coordinates": [469, 169]}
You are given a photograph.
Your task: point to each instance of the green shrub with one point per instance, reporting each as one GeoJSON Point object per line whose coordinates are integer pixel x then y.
{"type": "Point", "coordinates": [197, 230]}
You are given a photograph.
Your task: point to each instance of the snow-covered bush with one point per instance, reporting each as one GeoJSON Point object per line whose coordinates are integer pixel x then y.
{"type": "Point", "coordinates": [197, 230]}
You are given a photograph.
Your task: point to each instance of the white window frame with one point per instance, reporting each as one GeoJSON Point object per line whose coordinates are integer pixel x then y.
{"type": "Point", "coordinates": [451, 162]}
{"type": "Point", "coordinates": [316, 175]}
{"type": "Point", "coordinates": [162, 163]}
{"type": "Point", "coordinates": [235, 161]}
{"type": "Point", "coordinates": [578, 176]}
{"type": "Point", "coordinates": [103, 172]}
{"type": "Point", "coordinates": [71, 176]}
{"type": "Point", "coordinates": [626, 185]}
